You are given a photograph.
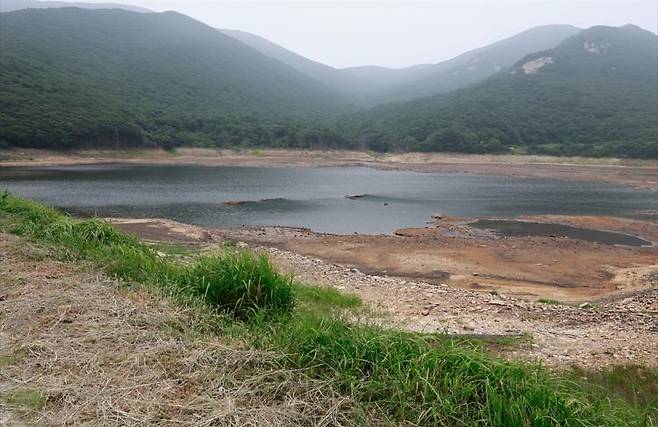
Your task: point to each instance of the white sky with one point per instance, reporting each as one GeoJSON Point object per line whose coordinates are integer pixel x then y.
{"type": "Point", "coordinates": [400, 33]}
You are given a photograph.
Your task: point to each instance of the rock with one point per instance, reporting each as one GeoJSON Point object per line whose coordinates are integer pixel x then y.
{"type": "Point", "coordinates": [438, 215]}
{"type": "Point", "coordinates": [476, 274]}
{"type": "Point", "coordinates": [241, 245]}
{"type": "Point", "coordinates": [355, 196]}
{"type": "Point", "coordinates": [496, 302]}
{"type": "Point", "coordinates": [585, 305]}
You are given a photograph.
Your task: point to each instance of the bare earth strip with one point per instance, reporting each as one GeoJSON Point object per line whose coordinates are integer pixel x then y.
{"type": "Point", "coordinates": [78, 349]}
{"type": "Point", "coordinates": [621, 328]}
{"type": "Point", "coordinates": [640, 173]}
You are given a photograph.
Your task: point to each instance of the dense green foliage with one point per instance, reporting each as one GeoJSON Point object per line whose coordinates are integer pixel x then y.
{"type": "Point", "coordinates": [73, 78]}
{"type": "Point", "coordinates": [240, 284]}
{"type": "Point", "coordinates": [82, 78]}
{"type": "Point", "coordinates": [401, 377]}
{"type": "Point", "coordinates": [602, 103]}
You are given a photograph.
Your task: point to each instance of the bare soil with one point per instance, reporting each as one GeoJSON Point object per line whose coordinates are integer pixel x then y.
{"type": "Point", "coordinates": [424, 280]}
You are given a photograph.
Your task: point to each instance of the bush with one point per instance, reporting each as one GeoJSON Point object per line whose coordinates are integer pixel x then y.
{"type": "Point", "coordinates": [240, 283]}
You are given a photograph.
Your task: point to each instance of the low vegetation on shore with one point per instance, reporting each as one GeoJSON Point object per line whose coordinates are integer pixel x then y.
{"type": "Point", "coordinates": [393, 376]}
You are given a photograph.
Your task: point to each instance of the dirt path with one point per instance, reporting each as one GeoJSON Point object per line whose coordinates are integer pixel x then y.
{"type": "Point", "coordinates": [639, 173]}
{"type": "Point", "coordinates": [619, 329]}
{"type": "Point", "coordinates": [77, 349]}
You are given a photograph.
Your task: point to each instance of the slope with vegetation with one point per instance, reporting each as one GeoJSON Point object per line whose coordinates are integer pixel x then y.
{"type": "Point", "coordinates": [12, 5]}
{"type": "Point", "coordinates": [73, 77]}
{"type": "Point", "coordinates": [371, 85]}
{"type": "Point", "coordinates": [593, 95]}
{"type": "Point", "coordinates": [423, 379]}
{"type": "Point", "coordinates": [476, 65]}
{"type": "Point", "coordinates": [335, 78]}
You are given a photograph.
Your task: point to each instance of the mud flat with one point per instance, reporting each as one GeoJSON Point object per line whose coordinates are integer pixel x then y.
{"type": "Point", "coordinates": [577, 301]}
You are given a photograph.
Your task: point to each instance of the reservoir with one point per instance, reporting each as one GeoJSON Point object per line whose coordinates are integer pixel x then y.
{"type": "Point", "coordinates": [313, 197]}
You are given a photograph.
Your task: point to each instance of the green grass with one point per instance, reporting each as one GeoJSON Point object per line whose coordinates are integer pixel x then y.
{"type": "Point", "coordinates": [9, 359]}
{"type": "Point", "coordinates": [401, 377]}
{"type": "Point", "coordinates": [637, 385]}
{"type": "Point", "coordinates": [549, 301]}
{"type": "Point", "coordinates": [238, 283]}
{"type": "Point", "coordinates": [25, 400]}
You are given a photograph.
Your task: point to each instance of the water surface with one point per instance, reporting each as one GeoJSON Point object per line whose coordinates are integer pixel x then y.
{"type": "Point", "coordinates": [311, 197]}
{"type": "Point", "coordinates": [527, 228]}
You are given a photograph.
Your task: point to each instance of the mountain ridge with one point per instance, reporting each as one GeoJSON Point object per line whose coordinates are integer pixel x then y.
{"type": "Point", "coordinates": [594, 94]}
{"type": "Point", "coordinates": [14, 5]}
{"type": "Point", "coordinates": [70, 74]}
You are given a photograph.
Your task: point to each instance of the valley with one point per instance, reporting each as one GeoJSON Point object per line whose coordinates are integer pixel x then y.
{"type": "Point", "coordinates": [204, 221]}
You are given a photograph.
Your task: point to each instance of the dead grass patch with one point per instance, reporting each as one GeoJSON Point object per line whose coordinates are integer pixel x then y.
{"type": "Point", "coordinates": [96, 352]}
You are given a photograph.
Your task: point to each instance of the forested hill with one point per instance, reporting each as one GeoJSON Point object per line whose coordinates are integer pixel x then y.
{"type": "Point", "coordinates": [343, 81]}
{"type": "Point", "coordinates": [71, 77]}
{"type": "Point", "coordinates": [475, 65]}
{"type": "Point", "coordinates": [595, 94]}
{"type": "Point", "coordinates": [371, 85]}
{"type": "Point", "coordinates": [12, 5]}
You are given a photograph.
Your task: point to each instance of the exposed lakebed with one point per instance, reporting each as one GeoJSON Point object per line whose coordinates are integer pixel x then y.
{"type": "Point", "coordinates": [312, 197]}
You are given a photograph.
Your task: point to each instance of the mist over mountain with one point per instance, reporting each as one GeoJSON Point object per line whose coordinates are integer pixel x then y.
{"type": "Point", "coordinates": [373, 85]}
{"type": "Point", "coordinates": [470, 67]}
{"type": "Point", "coordinates": [73, 76]}
{"type": "Point", "coordinates": [594, 94]}
{"type": "Point", "coordinates": [12, 5]}
{"type": "Point", "coordinates": [330, 76]}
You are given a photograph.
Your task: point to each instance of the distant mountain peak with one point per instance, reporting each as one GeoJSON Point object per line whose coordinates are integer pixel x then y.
{"type": "Point", "coordinates": [13, 5]}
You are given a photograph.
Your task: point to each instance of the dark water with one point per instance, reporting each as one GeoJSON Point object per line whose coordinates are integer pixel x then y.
{"type": "Point", "coordinates": [311, 197]}
{"type": "Point", "coordinates": [524, 228]}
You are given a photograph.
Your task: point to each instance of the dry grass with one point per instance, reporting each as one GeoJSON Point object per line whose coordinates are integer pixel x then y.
{"type": "Point", "coordinates": [104, 354]}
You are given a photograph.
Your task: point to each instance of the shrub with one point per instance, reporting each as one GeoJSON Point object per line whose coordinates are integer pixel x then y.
{"type": "Point", "coordinates": [240, 283]}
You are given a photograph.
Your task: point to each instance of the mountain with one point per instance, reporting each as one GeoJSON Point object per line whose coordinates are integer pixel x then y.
{"type": "Point", "coordinates": [373, 85]}
{"type": "Point", "coordinates": [111, 77]}
{"type": "Point", "coordinates": [595, 94]}
{"type": "Point", "coordinates": [470, 67]}
{"type": "Point", "coordinates": [321, 72]}
{"type": "Point", "coordinates": [12, 5]}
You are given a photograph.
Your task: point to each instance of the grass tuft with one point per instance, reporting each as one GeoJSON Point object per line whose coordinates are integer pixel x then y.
{"type": "Point", "coordinates": [25, 400]}
{"type": "Point", "coordinates": [237, 283]}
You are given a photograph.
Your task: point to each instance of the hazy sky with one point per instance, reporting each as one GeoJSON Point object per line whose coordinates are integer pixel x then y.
{"type": "Point", "coordinates": [400, 33]}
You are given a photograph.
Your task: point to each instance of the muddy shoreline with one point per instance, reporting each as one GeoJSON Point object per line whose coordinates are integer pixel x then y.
{"type": "Point", "coordinates": [612, 319]}
{"type": "Point", "coordinates": [580, 302]}
{"type": "Point", "coordinates": [452, 253]}
{"type": "Point", "coordinates": [637, 173]}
